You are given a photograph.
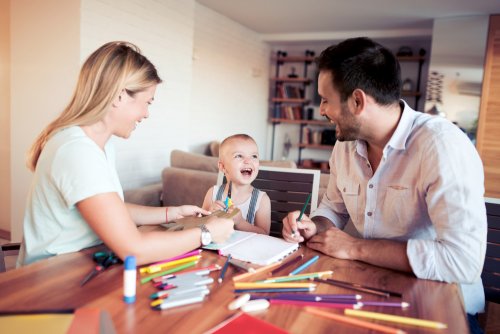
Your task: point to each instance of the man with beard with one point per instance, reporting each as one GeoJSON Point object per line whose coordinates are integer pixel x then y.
{"type": "Point", "coordinates": [412, 184]}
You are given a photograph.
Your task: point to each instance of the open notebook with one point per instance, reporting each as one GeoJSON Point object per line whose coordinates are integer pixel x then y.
{"type": "Point", "coordinates": [255, 248]}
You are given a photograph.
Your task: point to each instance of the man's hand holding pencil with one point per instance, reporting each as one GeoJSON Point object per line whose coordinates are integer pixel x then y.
{"type": "Point", "coordinates": [295, 230]}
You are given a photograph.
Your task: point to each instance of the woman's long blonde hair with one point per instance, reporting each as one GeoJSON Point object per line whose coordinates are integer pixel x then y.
{"type": "Point", "coordinates": [106, 72]}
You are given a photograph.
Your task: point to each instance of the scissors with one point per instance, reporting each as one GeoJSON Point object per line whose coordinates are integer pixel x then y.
{"type": "Point", "coordinates": [104, 260]}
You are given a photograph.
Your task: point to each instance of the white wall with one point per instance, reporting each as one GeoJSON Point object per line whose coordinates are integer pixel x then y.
{"type": "Point", "coordinates": [5, 116]}
{"type": "Point", "coordinates": [225, 91]}
{"type": "Point", "coordinates": [163, 30]}
{"type": "Point", "coordinates": [44, 64]}
{"type": "Point", "coordinates": [458, 49]}
{"type": "Point", "coordinates": [230, 81]}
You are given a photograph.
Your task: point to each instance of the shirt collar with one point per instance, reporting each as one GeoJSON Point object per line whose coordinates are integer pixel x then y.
{"type": "Point", "coordinates": [403, 130]}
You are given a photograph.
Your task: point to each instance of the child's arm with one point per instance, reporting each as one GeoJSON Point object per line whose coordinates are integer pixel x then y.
{"type": "Point", "coordinates": [262, 218]}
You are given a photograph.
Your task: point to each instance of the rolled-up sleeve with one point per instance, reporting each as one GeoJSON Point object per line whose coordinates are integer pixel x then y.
{"type": "Point", "coordinates": [455, 203]}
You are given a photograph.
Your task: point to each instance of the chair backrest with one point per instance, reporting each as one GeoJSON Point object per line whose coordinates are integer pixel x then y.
{"type": "Point", "coordinates": [11, 249]}
{"type": "Point", "coordinates": [491, 269]}
{"type": "Point", "coordinates": [288, 189]}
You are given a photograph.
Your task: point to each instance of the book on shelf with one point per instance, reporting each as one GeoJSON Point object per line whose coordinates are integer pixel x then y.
{"type": "Point", "coordinates": [255, 248]}
{"type": "Point", "coordinates": [291, 112]}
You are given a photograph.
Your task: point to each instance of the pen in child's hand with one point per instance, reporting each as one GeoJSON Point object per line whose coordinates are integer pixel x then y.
{"type": "Point", "coordinates": [302, 213]}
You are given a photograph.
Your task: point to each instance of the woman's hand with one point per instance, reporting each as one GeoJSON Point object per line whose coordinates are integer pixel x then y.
{"type": "Point", "coordinates": [220, 228]}
{"type": "Point", "coordinates": [177, 212]}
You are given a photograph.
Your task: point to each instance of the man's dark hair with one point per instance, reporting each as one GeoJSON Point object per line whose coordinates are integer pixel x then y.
{"type": "Point", "coordinates": [364, 64]}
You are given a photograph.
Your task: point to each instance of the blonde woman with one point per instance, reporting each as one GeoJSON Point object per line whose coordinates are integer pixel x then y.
{"type": "Point", "coordinates": [76, 200]}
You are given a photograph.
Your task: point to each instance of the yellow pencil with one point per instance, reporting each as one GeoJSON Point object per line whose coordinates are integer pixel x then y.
{"type": "Point", "coordinates": [159, 267]}
{"type": "Point", "coordinates": [247, 285]}
{"type": "Point", "coordinates": [258, 270]}
{"type": "Point", "coordinates": [354, 322]}
{"type": "Point", "coordinates": [396, 319]}
{"type": "Point", "coordinates": [296, 277]}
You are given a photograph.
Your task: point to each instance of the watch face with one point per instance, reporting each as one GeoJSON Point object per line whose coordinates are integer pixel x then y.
{"type": "Point", "coordinates": [206, 238]}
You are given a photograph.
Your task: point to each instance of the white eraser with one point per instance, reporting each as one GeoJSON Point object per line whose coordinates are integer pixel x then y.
{"type": "Point", "coordinates": [255, 305]}
{"type": "Point", "coordinates": [238, 302]}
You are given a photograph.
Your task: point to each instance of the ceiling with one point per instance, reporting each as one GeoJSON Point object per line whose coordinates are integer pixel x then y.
{"type": "Point", "coordinates": [279, 20]}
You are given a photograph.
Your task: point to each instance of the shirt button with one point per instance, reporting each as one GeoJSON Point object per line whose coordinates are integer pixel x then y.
{"type": "Point", "coordinates": [370, 186]}
{"type": "Point", "coordinates": [369, 214]}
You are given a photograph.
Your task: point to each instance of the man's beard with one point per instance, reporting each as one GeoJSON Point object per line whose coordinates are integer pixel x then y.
{"type": "Point", "coordinates": [347, 128]}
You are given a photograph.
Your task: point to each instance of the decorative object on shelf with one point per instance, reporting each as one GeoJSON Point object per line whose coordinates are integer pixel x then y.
{"type": "Point", "coordinates": [404, 51]}
{"type": "Point", "coordinates": [422, 52]}
{"type": "Point", "coordinates": [434, 93]}
{"type": "Point", "coordinates": [287, 144]}
{"type": "Point", "coordinates": [407, 85]}
{"type": "Point", "coordinates": [293, 74]}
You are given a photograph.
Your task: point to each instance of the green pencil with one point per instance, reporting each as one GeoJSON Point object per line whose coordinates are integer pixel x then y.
{"type": "Point", "coordinates": [302, 211]}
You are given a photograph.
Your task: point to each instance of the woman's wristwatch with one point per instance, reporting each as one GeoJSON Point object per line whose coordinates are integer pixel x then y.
{"type": "Point", "coordinates": [206, 237]}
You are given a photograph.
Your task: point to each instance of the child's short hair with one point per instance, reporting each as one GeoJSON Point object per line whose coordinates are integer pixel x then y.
{"type": "Point", "coordinates": [242, 136]}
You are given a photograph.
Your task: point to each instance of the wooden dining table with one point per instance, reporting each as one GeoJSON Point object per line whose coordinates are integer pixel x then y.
{"type": "Point", "coordinates": [54, 283]}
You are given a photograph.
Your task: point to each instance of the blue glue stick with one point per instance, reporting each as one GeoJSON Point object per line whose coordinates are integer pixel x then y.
{"type": "Point", "coordinates": [129, 279]}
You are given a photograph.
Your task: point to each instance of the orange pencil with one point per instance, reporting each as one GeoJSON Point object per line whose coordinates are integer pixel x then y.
{"type": "Point", "coordinates": [354, 322]}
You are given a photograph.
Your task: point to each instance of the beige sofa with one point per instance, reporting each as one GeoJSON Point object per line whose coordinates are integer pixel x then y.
{"type": "Point", "coordinates": [188, 178]}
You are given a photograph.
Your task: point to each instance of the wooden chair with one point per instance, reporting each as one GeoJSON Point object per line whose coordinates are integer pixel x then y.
{"type": "Point", "coordinates": [288, 189]}
{"type": "Point", "coordinates": [491, 269]}
{"type": "Point", "coordinates": [8, 250]}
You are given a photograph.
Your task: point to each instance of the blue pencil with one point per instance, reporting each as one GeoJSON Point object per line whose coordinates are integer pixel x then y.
{"type": "Point", "coordinates": [224, 269]}
{"type": "Point", "coordinates": [305, 265]}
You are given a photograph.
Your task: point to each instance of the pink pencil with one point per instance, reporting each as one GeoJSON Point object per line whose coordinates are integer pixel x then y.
{"type": "Point", "coordinates": [310, 303]}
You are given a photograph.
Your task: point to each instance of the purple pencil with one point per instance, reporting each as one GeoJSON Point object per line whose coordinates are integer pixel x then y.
{"type": "Point", "coordinates": [389, 304]}
{"type": "Point", "coordinates": [324, 295]}
{"type": "Point", "coordinates": [287, 264]}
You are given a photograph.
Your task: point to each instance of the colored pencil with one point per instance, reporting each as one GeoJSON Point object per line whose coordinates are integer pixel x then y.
{"type": "Point", "coordinates": [389, 304]}
{"type": "Point", "coordinates": [302, 212]}
{"type": "Point", "coordinates": [287, 264]}
{"type": "Point", "coordinates": [321, 295]}
{"type": "Point", "coordinates": [305, 265]}
{"type": "Point", "coordinates": [273, 290]}
{"type": "Point", "coordinates": [253, 285]}
{"type": "Point", "coordinates": [171, 270]}
{"type": "Point", "coordinates": [396, 318]}
{"type": "Point", "coordinates": [179, 302]}
{"type": "Point", "coordinates": [311, 303]}
{"type": "Point", "coordinates": [224, 269]}
{"type": "Point", "coordinates": [188, 254]}
{"type": "Point", "coordinates": [158, 268]}
{"type": "Point", "coordinates": [296, 277]}
{"type": "Point", "coordinates": [198, 271]}
{"type": "Point", "coordinates": [353, 286]}
{"type": "Point", "coordinates": [309, 299]}
{"type": "Point", "coordinates": [258, 270]}
{"type": "Point", "coordinates": [354, 322]}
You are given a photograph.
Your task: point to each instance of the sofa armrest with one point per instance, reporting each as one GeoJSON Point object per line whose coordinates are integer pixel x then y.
{"type": "Point", "coordinates": [148, 195]}
{"type": "Point", "coordinates": [186, 186]}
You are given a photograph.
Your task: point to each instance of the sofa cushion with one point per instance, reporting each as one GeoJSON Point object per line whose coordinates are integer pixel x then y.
{"type": "Point", "coordinates": [188, 160]}
{"type": "Point", "coordinates": [186, 186]}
